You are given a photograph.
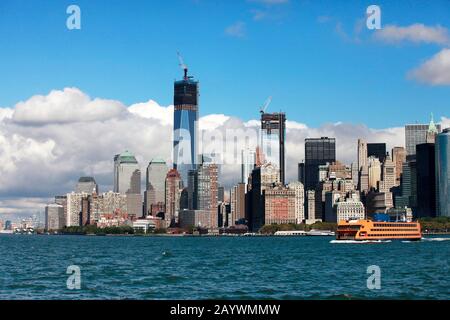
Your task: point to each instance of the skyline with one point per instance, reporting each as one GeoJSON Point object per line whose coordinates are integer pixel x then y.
{"type": "Point", "coordinates": [50, 132]}
{"type": "Point", "coordinates": [89, 85]}
{"type": "Point", "coordinates": [291, 50]}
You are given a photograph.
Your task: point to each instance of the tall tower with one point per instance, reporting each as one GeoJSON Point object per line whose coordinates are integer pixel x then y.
{"type": "Point", "coordinates": [443, 173]}
{"type": "Point", "coordinates": [273, 136]}
{"type": "Point", "coordinates": [318, 151]}
{"type": "Point", "coordinates": [155, 187]}
{"type": "Point", "coordinates": [185, 100]}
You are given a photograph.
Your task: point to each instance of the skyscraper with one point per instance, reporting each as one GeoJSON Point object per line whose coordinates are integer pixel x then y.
{"type": "Point", "coordinates": [127, 175]}
{"type": "Point", "coordinates": [54, 217]}
{"type": "Point", "coordinates": [203, 190]}
{"type": "Point", "coordinates": [363, 167]}
{"type": "Point", "coordinates": [248, 158]}
{"type": "Point", "coordinates": [173, 189]}
{"type": "Point", "coordinates": [186, 93]}
{"type": "Point", "coordinates": [273, 135]}
{"type": "Point", "coordinates": [301, 172]}
{"type": "Point", "coordinates": [154, 195]}
{"type": "Point", "coordinates": [443, 172]}
{"type": "Point", "coordinates": [417, 134]}
{"type": "Point", "coordinates": [86, 185]}
{"type": "Point", "coordinates": [377, 150]}
{"type": "Point", "coordinates": [237, 202]}
{"type": "Point", "coordinates": [388, 176]}
{"type": "Point", "coordinates": [426, 180]}
{"type": "Point", "coordinates": [127, 180]}
{"type": "Point", "coordinates": [374, 172]}
{"type": "Point", "coordinates": [318, 151]}
{"type": "Point", "coordinates": [398, 156]}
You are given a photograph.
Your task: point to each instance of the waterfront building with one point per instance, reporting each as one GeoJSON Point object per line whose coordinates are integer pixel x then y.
{"type": "Point", "coordinates": [349, 209]}
{"type": "Point", "coordinates": [74, 202]}
{"type": "Point", "coordinates": [154, 195]}
{"type": "Point", "coordinates": [273, 136]}
{"type": "Point", "coordinates": [279, 205]}
{"type": "Point", "coordinates": [87, 185]}
{"type": "Point", "coordinates": [318, 151]}
{"type": "Point", "coordinates": [443, 173]}
{"type": "Point", "coordinates": [185, 144]}
{"type": "Point", "coordinates": [196, 218]}
{"type": "Point", "coordinates": [426, 180]}
{"type": "Point", "coordinates": [54, 217]}
{"type": "Point", "coordinates": [174, 188]}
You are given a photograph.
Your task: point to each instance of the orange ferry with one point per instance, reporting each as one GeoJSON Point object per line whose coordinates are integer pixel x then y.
{"type": "Point", "coordinates": [374, 230]}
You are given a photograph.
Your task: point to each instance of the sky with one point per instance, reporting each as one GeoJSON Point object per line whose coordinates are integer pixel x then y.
{"type": "Point", "coordinates": [71, 99]}
{"type": "Point", "coordinates": [307, 55]}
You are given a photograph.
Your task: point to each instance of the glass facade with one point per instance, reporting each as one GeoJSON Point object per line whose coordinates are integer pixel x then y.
{"type": "Point", "coordinates": [416, 134]}
{"type": "Point", "coordinates": [443, 172]}
{"type": "Point", "coordinates": [185, 126]}
{"type": "Point", "coordinates": [318, 151]}
{"type": "Point", "coordinates": [273, 136]}
{"type": "Point", "coordinates": [377, 150]}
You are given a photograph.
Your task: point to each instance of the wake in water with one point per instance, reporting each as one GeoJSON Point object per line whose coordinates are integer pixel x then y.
{"type": "Point", "coordinates": [360, 241]}
{"type": "Point", "coordinates": [435, 239]}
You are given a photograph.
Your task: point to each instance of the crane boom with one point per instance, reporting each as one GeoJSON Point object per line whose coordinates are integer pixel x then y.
{"type": "Point", "coordinates": [266, 105]}
{"type": "Point", "coordinates": [182, 64]}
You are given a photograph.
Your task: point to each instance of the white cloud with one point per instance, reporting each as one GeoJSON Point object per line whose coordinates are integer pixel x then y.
{"type": "Point", "coordinates": [47, 158]}
{"type": "Point", "coordinates": [236, 30]}
{"type": "Point", "coordinates": [69, 105]}
{"type": "Point", "coordinates": [416, 33]}
{"type": "Point", "coordinates": [435, 71]}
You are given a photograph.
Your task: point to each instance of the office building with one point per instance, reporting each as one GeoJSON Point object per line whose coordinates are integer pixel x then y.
{"type": "Point", "coordinates": [299, 194]}
{"type": "Point", "coordinates": [388, 176]}
{"type": "Point", "coordinates": [301, 172]}
{"type": "Point", "coordinates": [318, 151]}
{"type": "Point", "coordinates": [443, 173]}
{"type": "Point", "coordinates": [426, 180]}
{"type": "Point", "coordinates": [377, 150]}
{"type": "Point", "coordinates": [185, 147]}
{"type": "Point", "coordinates": [86, 185]}
{"type": "Point", "coordinates": [279, 205]}
{"type": "Point", "coordinates": [237, 204]}
{"type": "Point", "coordinates": [262, 178]}
{"type": "Point", "coordinates": [154, 195]}
{"type": "Point", "coordinates": [374, 172]}
{"type": "Point", "coordinates": [273, 135]}
{"type": "Point", "coordinates": [54, 217]}
{"type": "Point", "coordinates": [127, 175]}
{"type": "Point", "coordinates": [174, 188]}
{"type": "Point", "coordinates": [349, 209]}
{"type": "Point", "coordinates": [203, 190]}
{"type": "Point", "coordinates": [248, 161]}
{"type": "Point", "coordinates": [399, 157]}
{"type": "Point", "coordinates": [417, 134]}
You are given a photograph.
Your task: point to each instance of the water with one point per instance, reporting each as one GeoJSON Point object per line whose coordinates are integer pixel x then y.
{"type": "Point", "coordinates": [34, 267]}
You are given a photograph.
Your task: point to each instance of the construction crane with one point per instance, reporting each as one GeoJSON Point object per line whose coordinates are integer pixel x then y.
{"type": "Point", "coordinates": [266, 105]}
{"type": "Point", "coordinates": [182, 65]}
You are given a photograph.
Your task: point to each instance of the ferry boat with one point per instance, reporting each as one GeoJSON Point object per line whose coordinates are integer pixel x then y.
{"type": "Point", "coordinates": [378, 230]}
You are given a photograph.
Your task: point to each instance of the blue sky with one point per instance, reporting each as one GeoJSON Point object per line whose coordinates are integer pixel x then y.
{"type": "Point", "coordinates": [311, 56]}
